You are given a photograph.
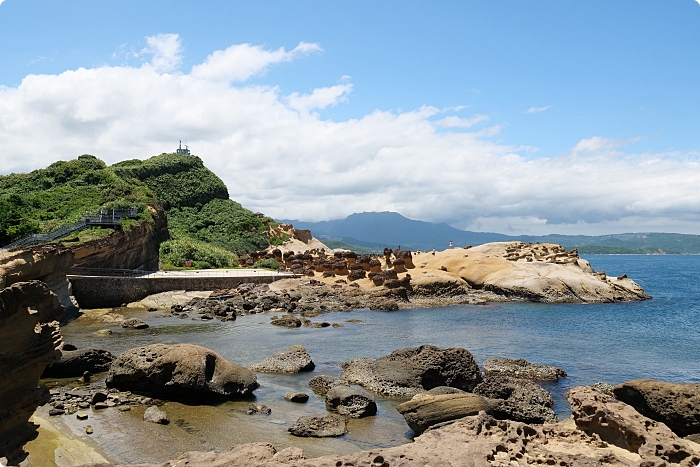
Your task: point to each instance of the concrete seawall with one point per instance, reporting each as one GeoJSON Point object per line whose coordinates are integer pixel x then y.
{"type": "Point", "coordinates": [108, 292]}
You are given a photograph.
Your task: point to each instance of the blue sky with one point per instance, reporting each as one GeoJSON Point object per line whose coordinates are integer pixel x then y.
{"type": "Point", "coordinates": [480, 106]}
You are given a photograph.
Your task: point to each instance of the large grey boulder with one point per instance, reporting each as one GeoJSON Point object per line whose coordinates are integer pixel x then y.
{"type": "Point", "coordinates": [675, 404]}
{"type": "Point", "coordinates": [351, 402]}
{"type": "Point", "coordinates": [517, 399]}
{"type": "Point", "coordinates": [521, 368]}
{"type": "Point", "coordinates": [77, 362]}
{"type": "Point", "coordinates": [293, 360]}
{"type": "Point", "coordinates": [426, 410]}
{"type": "Point", "coordinates": [182, 370]}
{"type": "Point", "coordinates": [410, 371]}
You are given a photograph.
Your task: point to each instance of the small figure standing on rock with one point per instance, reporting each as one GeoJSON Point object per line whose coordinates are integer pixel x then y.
{"type": "Point", "coordinates": [450, 244]}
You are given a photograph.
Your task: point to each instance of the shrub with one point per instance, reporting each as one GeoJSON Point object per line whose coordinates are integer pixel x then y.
{"type": "Point", "coordinates": [268, 263]}
{"type": "Point", "coordinates": [175, 253]}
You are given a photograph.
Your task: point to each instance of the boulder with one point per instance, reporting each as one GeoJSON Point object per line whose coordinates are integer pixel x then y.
{"type": "Point", "coordinates": [77, 362]}
{"type": "Point", "coordinates": [319, 426]}
{"type": "Point", "coordinates": [426, 410]}
{"type": "Point", "coordinates": [134, 323]}
{"type": "Point", "coordinates": [155, 415]}
{"type": "Point", "coordinates": [523, 369]}
{"type": "Point", "coordinates": [179, 370]}
{"type": "Point", "coordinates": [409, 371]}
{"type": "Point", "coordinates": [298, 397]}
{"type": "Point", "coordinates": [254, 409]}
{"type": "Point", "coordinates": [351, 402]}
{"type": "Point", "coordinates": [289, 321]}
{"type": "Point", "coordinates": [675, 404]}
{"type": "Point", "coordinates": [293, 360]}
{"type": "Point", "coordinates": [321, 384]}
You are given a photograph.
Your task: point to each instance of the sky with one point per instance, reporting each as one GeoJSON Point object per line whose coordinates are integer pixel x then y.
{"type": "Point", "coordinates": [520, 117]}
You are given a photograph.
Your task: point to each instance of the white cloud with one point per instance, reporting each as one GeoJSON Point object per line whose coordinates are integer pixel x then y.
{"type": "Point", "coordinates": [1, 1]}
{"type": "Point", "coordinates": [457, 122]}
{"type": "Point", "coordinates": [280, 157]}
{"type": "Point", "coordinates": [166, 51]}
{"type": "Point", "coordinates": [242, 61]}
{"type": "Point", "coordinates": [536, 110]}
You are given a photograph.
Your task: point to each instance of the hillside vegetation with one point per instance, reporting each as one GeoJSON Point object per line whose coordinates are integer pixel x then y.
{"type": "Point", "coordinates": [207, 228]}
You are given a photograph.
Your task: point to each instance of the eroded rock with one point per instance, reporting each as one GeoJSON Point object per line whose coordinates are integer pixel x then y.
{"type": "Point", "coordinates": [183, 370]}
{"type": "Point", "coordinates": [295, 359]}
{"type": "Point", "coordinates": [413, 370]}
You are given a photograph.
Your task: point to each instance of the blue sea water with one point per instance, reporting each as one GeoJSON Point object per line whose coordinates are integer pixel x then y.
{"type": "Point", "coordinates": [658, 338]}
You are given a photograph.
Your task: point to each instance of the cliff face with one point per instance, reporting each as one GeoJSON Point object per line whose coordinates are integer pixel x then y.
{"type": "Point", "coordinates": [29, 339]}
{"type": "Point", "coordinates": [136, 248]}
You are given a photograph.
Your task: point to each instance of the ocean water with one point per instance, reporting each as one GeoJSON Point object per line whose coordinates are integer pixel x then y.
{"type": "Point", "coordinates": [658, 338]}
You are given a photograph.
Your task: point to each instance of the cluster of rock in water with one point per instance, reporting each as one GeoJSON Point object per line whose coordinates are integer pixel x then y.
{"type": "Point", "coordinates": [307, 300]}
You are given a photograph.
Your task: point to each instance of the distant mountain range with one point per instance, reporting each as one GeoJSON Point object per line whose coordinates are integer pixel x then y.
{"type": "Point", "coordinates": [372, 231]}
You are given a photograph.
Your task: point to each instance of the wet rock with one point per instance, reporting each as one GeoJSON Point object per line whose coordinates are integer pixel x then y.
{"type": "Point", "coordinates": [254, 409]}
{"type": "Point", "coordinates": [350, 402]}
{"type": "Point", "coordinates": [410, 371]}
{"type": "Point", "coordinates": [134, 323]}
{"type": "Point", "coordinates": [77, 362]}
{"type": "Point", "coordinates": [81, 416]}
{"type": "Point", "coordinates": [295, 359]}
{"type": "Point", "coordinates": [155, 415]}
{"type": "Point", "coordinates": [521, 368]}
{"type": "Point", "coordinates": [675, 404]}
{"type": "Point", "coordinates": [298, 397]}
{"type": "Point", "coordinates": [319, 426]}
{"type": "Point", "coordinates": [321, 384]}
{"type": "Point", "coordinates": [425, 410]}
{"type": "Point", "coordinates": [289, 321]}
{"type": "Point", "coordinates": [180, 370]}
{"type": "Point", "coordinates": [98, 397]}
{"type": "Point", "coordinates": [56, 411]}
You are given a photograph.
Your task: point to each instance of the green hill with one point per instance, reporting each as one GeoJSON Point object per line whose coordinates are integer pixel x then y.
{"type": "Point", "coordinates": [205, 225]}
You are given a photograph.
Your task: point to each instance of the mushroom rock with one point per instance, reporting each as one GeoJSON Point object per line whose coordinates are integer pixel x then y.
{"type": "Point", "coordinates": [387, 255]}
{"type": "Point", "coordinates": [390, 274]}
{"type": "Point", "coordinates": [318, 265]}
{"type": "Point", "coordinates": [356, 274]}
{"type": "Point", "coordinates": [375, 265]}
{"type": "Point", "coordinates": [277, 254]}
{"type": "Point", "coordinates": [350, 257]}
{"type": "Point", "coordinates": [364, 261]}
{"type": "Point", "coordinates": [328, 274]}
{"type": "Point", "coordinates": [340, 268]}
{"type": "Point", "coordinates": [399, 265]}
{"type": "Point", "coordinates": [377, 277]}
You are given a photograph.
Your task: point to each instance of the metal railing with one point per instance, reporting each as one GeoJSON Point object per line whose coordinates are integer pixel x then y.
{"type": "Point", "coordinates": [37, 239]}
{"type": "Point", "coordinates": [111, 217]}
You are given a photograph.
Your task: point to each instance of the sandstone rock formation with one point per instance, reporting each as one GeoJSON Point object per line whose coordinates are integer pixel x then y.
{"type": "Point", "coordinates": [181, 370]}
{"type": "Point", "coordinates": [412, 370]}
{"type": "Point", "coordinates": [521, 368]}
{"type": "Point", "coordinates": [425, 410]}
{"type": "Point", "coordinates": [675, 404]}
{"type": "Point", "coordinates": [29, 339]}
{"type": "Point", "coordinates": [295, 359]}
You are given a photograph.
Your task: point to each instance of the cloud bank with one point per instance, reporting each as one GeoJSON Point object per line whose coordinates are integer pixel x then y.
{"type": "Point", "coordinates": [278, 156]}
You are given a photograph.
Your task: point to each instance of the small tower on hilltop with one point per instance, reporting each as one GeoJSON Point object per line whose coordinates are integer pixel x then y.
{"type": "Point", "coordinates": [183, 151]}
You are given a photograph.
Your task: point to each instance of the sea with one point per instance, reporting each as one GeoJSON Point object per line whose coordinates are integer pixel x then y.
{"type": "Point", "coordinates": [612, 342]}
